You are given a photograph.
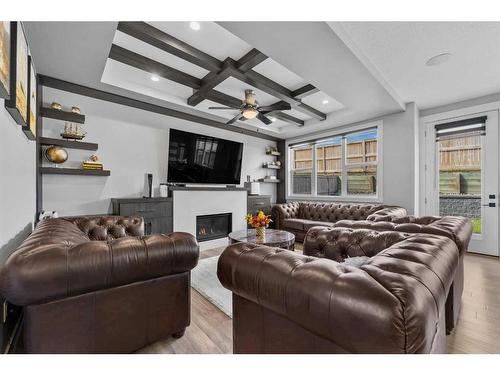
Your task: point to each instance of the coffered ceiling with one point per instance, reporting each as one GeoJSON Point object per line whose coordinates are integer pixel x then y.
{"type": "Point", "coordinates": [210, 67]}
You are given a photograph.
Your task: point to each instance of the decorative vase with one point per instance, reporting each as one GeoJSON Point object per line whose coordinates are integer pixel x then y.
{"type": "Point", "coordinates": [261, 232]}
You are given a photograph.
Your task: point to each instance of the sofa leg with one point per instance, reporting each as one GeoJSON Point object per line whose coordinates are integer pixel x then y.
{"type": "Point", "coordinates": [179, 334]}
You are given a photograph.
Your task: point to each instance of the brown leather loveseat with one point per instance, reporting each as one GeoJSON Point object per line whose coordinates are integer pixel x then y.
{"type": "Point", "coordinates": [97, 285]}
{"type": "Point", "coordinates": [458, 229]}
{"type": "Point", "coordinates": [299, 217]}
{"type": "Point", "coordinates": [391, 302]}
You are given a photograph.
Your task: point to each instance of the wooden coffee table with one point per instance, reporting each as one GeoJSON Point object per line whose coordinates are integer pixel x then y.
{"type": "Point", "coordinates": [273, 238]}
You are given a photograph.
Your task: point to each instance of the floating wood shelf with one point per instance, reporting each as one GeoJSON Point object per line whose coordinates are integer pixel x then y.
{"type": "Point", "coordinates": [270, 180]}
{"type": "Point", "coordinates": [274, 153]}
{"type": "Point", "coordinates": [69, 144]}
{"type": "Point", "coordinates": [271, 167]}
{"type": "Point", "coordinates": [74, 171]}
{"type": "Point", "coordinates": [62, 115]}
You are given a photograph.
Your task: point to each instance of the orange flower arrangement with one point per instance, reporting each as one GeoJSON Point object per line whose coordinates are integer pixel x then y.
{"type": "Point", "coordinates": [260, 220]}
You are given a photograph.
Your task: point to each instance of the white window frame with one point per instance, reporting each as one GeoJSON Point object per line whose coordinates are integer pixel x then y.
{"type": "Point", "coordinates": [344, 197]}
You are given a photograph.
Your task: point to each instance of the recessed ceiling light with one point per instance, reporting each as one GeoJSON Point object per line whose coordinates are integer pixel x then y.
{"type": "Point", "coordinates": [438, 59]}
{"type": "Point", "coordinates": [195, 25]}
{"type": "Point", "coordinates": [155, 78]}
{"type": "Point", "coordinates": [273, 119]}
{"type": "Point", "coordinates": [325, 101]}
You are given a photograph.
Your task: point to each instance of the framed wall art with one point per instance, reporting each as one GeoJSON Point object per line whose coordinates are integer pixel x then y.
{"type": "Point", "coordinates": [4, 59]}
{"type": "Point", "coordinates": [17, 104]}
{"type": "Point", "coordinates": [30, 128]}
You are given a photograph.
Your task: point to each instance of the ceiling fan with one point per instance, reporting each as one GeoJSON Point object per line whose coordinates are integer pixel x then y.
{"type": "Point", "coordinates": [250, 109]}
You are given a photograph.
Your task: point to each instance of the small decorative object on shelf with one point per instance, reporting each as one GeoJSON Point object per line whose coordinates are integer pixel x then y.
{"type": "Point", "coordinates": [56, 155]}
{"type": "Point", "coordinates": [93, 163]}
{"type": "Point", "coordinates": [271, 150]}
{"type": "Point", "coordinates": [73, 132]}
{"type": "Point", "coordinates": [76, 110]}
{"type": "Point", "coordinates": [56, 105]}
{"type": "Point", "coordinates": [260, 222]}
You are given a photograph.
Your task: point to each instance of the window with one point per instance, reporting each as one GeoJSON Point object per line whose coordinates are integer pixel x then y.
{"type": "Point", "coordinates": [344, 165]}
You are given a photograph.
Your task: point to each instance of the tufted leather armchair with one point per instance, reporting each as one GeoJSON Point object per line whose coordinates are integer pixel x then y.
{"type": "Point", "coordinates": [285, 302]}
{"type": "Point", "coordinates": [458, 229]}
{"type": "Point", "coordinates": [97, 285]}
{"type": "Point", "coordinates": [299, 217]}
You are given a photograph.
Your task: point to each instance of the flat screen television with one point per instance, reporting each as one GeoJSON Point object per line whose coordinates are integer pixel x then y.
{"type": "Point", "coordinates": [200, 159]}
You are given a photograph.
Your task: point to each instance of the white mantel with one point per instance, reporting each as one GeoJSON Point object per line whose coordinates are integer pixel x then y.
{"type": "Point", "coordinates": [189, 203]}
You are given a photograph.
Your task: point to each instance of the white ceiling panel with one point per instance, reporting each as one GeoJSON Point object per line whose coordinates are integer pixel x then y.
{"type": "Point", "coordinates": [316, 101]}
{"type": "Point", "coordinates": [278, 73]}
{"type": "Point", "coordinates": [147, 50]}
{"type": "Point", "coordinates": [127, 77]}
{"type": "Point", "coordinates": [211, 38]}
{"type": "Point", "coordinates": [399, 50]}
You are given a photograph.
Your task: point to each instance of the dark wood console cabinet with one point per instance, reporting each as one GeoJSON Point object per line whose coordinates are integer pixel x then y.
{"type": "Point", "coordinates": [256, 203]}
{"type": "Point", "coordinates": [157, 212]}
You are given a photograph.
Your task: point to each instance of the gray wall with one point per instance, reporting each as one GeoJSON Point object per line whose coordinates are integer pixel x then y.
{"type": "Point", "coordinates": [131, 143]}
{"type": "Point", "coordinates": [17, 183]}
{"type": "Point", "coordinates": [399, 158]}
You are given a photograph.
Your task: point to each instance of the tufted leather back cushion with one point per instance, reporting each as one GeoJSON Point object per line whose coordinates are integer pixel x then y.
{"type": "Point", "coordinates": [457, 228]}
{"type": "Point", "coordinates": [290, 210]}
{"type": "Point", "coordinates": [338, 244]}
{"type": "Point", "coordinates": [333, 212]}
{"type": "Point", "coordinates": [108, 228]}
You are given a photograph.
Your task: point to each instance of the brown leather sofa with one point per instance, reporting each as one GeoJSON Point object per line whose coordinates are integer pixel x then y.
{"type": "Point", "coordinates": [285, 302]}
{"type": "Point", "coordinates": [299, 217]}
{"type": "Point", "coordinates": [97, 285]}
{"type": "Point", "coordinates": [459, 229]}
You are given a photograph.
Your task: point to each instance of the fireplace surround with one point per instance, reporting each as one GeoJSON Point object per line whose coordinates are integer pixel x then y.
{"type": "Point", "coordinates": [213, 226]}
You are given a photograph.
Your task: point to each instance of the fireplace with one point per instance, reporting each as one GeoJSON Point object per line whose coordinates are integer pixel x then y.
{"type": "Point", "coordinates": [211, 227]}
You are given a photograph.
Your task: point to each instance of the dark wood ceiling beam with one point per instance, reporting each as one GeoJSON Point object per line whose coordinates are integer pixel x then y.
{"type": "Point", "coordinates": [286, 117]}
{"type": "Point", "coordinates": [224, 99]}
{"type": "Point", "coordinates": [250, 60]}
{"type": "Point", "coordinates": [304, 91]}
{"type": "Point", "coordinates": [135, 60]}
{"type": "Point", "coordinates": [167, 43]}
{"type": "Point", "coordinates": [210, 81]}
{"type": "Point", "coordinates": [134, 103]}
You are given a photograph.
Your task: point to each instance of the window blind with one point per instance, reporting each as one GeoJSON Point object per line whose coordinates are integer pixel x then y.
{"type": "Point", "coordinates": [462, 128]}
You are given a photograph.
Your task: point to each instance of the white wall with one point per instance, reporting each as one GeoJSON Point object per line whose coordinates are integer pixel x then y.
{"type": "Point", "coordinates": [17, 183]}
{"type": "Point", "coordinates": [131, 142]}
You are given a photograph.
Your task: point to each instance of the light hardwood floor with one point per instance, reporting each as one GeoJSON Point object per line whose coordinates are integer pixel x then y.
{"type": "Point", "coordinates": [478, 330]}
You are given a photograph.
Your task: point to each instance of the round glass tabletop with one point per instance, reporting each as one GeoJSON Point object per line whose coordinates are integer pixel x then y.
{"type": "Point", "coordinates": [273, 237]}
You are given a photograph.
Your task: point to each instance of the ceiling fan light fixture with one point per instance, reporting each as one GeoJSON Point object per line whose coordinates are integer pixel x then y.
{"type": "Point", "coordinates": [249, 113]}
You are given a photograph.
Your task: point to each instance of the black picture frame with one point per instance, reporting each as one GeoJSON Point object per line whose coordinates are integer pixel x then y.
{"type": "Point", "coordinates": [11, 104]}
{"type": "Point", "coordinates": [5, 59]}
{"type": "Point", "coordinates": [30, 128]}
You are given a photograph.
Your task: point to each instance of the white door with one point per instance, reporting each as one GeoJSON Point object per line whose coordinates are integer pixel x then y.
{"type": "Point", "coordinates": [461, 173]}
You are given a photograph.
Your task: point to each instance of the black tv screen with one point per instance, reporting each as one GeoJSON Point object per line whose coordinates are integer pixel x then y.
{"type": "Point", "coordinates": [200, 159]}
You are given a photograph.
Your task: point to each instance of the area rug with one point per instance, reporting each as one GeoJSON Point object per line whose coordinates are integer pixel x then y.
{"type": "Point", "coordinates": [204, 280]}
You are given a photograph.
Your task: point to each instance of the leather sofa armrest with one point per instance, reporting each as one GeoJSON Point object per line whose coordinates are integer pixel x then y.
{"type": "Point", "coordinates": [460, 228]}
{"type": "Point", "coordinates": [388, 305]}
{"type": "Point", "coordinates": [48, 272]}
{"type": "Point", "coordinates": [283, 211]}
{"type": "Point", "coordinates": [387, 214]}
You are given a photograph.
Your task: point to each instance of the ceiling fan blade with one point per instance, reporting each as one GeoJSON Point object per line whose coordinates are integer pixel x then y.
{"type": "Point", "coordinates": [264, 119]}
{"type": "Point", "coordinates": [234, 119]}
{"type": "Point", "coordinates": [280, 106]}
{"type": "Point", "coordinates": [223, 108]}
